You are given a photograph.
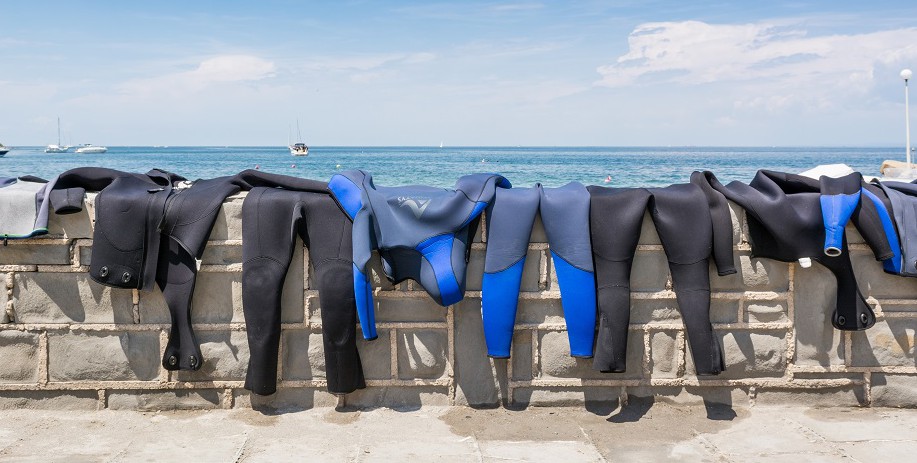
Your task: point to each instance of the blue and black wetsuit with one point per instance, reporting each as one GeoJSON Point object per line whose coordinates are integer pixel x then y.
{"type": "Point", "coordinates": [421, 232]}
{"type": "Point", "coordinates": [692, 226]}
{"type": "Point", "coordinates": [565, 214]}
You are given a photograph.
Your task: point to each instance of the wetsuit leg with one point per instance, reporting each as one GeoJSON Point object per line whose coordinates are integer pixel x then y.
{"type": "Point", "coordinates": [509, 226]}
{"type": "Point", "coordinates": [327, 233]}
{"type": "Point", "coordinates": [840, 197]}
{"type": "Point", "coordinates": [615, 217]}
{"type": "Point", "coordinates": [682, 218]}
{"type": "Point", "coordinates": [565, 213]}
{"type": "Point", "coordinates": [175, 275]}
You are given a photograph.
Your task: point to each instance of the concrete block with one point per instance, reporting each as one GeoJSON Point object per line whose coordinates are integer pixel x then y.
{"type": "Point", "coordinates": [35, 252]}
{"type": "Point", "coordinates": [19, 351]}
{"type": "Point", "coordinates": [85, 255]}
{"type": "Point", "coordinates": [653, 310]}
{"type": "Point", "coordinates": [103, 357]}
{"type": "Point", "coordinates": [422, 353]}
{"type": "Point", "coordinates": [890, 342]}
{"type": "Point", "coordinates": [376, 356]}
{"type": "Point", "coordinates": [477, 381]}
{"type": "Point", "coordinates": [650, 271]}
{"type": "Point", "coordinates": [197, 399]}
{"type": "Point", "coordinates": [873, 281]}
{"type": "Point", "coordinates": [225, 357]}
{"type": "Point", "coordinates": [376, 273]}
{"type": "Point", "coordinates": [222, 254]}
{"type": "Point", "coordinates": [49, 400]}
{"type": "Point", "coordinates": [217, 299]}
{"type": "Point", "coordinates": [848, 396]}
{"type": "Point", "coordinates": [76, 225]}
{"type": "Point", "coordinates": [285, 399]}
{"type": "Point", "coordinates": [724, 311]}
{"type": "Point", "coordinates": [731, 396]}
{"type": "Point", "coordinates": [766, 312]}
{"type": "Point", "coordinates": [817, 342]}
{"type": "Point", "coordinates": [228, 223]}
{"type": "Point", "coordinates": [522, 355]}
{"type": "Point", "coordinates": [68, 298]}
{"type": "Point", "coordinates": [749, 354]}
{"type": "Point", "coordinates": [563, 397]}
{"type": "Point", "coordinates": [753, 275]}
{"type": "Point", "coordinates": [556, 362]}
{"type": "Point", "coordinates": [4, 299]}
{"type": "Point", "coordinates": [399, 398]}
{"type": "Point", "coordinates": [409, 309]}
{"type": "Point", "coordinates": [648, 234]}
{"type": "Point", "coordinates": [664, 348]}
{"type": "Point", "coordinates": [537, 311]}
{"type": "Point", "coordinates": [303, 355]}
{"type": "Point", "coordinates": [531, 270]}
{"type": "Point", "coordinates": [538, 234]}
{"type": "Point", "coordinates": [894, 390]}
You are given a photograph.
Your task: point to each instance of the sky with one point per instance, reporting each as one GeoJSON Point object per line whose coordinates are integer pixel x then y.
{"type": "Point", "coordinates": [529, 73]}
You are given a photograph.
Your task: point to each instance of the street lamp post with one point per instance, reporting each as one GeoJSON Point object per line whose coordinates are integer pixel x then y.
{"type": "Point", "coordinates": [906, 75]}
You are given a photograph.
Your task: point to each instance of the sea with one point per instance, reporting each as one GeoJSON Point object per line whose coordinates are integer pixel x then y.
{"type": "Point", "coordinates": [435, 166]}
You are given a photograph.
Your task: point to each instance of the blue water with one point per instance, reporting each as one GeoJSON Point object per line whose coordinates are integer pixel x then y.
{"type": "Point", "coordinates": [552, 166]}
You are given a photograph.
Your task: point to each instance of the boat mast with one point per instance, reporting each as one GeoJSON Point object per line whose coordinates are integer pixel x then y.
{"type": "Point", "coordinates": [58, 131]}
{"type": "Point", "coordinates": [906, 75]}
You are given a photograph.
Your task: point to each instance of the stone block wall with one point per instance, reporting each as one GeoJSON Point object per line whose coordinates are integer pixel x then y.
{"type": "Point", "coordinates": [67, 342]}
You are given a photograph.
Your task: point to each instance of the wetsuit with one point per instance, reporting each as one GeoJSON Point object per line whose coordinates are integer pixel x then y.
{"type": "Point", "coordinates": [565, 214]}
{"type": "Point", "coordinates": [422, 233]}
{"type": "Point", "coordinates": [24, 204]}
{"type": "Point", "coordinates": [790, 217]}
{"type": "Point", "coordinates": [272, 219]}
{"type": "Point", "coordinates": [902, 200]}
{"type": "Point", "coordinates": [690, 231]}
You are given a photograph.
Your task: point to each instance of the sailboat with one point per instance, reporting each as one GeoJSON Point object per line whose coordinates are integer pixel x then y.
{"type": "Point", "coordinates": [58, 148]}
{"type": "Point", "coordinates": [4, 150]}
{"type": "Point", "coordinates": [299, 148]}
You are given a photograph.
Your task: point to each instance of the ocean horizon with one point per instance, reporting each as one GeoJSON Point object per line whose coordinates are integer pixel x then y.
{"type": "Point", "coordinates": [622, 166]}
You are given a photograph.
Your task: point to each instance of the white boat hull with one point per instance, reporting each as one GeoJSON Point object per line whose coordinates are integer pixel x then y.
{"type": "Point", "coordinates": [92, 150]}
{"type": "Point", "coordinates": [56, 149]}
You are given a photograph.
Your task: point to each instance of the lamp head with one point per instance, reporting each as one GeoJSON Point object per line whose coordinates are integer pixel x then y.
{"type": "Point", "coordinates": [906, 74]}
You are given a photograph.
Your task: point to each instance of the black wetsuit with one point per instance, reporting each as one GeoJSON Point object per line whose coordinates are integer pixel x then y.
{"type": "Point", "coordinates": [692, 225]}
{"type": "Point", "coordinates": [790, 217]}
{"type": "Point", "coordinates": [272, 219]}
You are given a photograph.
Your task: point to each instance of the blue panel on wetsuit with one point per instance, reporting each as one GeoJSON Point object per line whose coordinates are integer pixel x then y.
{"type": "Point", "coordinates": [892, 265]}
{"type": "Point", "coordinates": [836, 211]}
{"type": "Point", "coordinates": [438, 252]}
{"type": "Point", "coordinates": [363, 294]}
{"type": "Point", "coordinates": [347, 193]}
{"type": "Point", "coordinates": [499, 298]}
{"type": "Point", "coordinates": [478, 207]}
{"type": "Point", "coordinates": [577, 295]}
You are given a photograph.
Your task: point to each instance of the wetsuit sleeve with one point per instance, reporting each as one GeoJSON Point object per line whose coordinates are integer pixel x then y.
{"type": "Point", "coordinates": [565, 213]}
{"type": "Point", "coordinates": [248, 179]}
{"type": "Point", "coordinates": [349, 197]}
{"type": "Point", "coordinates": [840, 198]}
{"type": "Point", "coordinates": [722, 225]}
{"type": "Point", "coordinates": [509, 225]}
{"type": "Point", "coordinates": [873, 221]}
{"type": "Point", "coordinates": [68, 200]}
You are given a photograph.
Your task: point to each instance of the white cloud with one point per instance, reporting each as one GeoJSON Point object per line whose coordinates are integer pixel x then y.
{"type": "Point", "coordinates": [781, 63]}
{"type": "Point", "coordinates": [219, 69]}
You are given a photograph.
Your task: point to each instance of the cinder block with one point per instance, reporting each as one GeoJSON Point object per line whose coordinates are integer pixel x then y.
{"type": "Point", "coordinates": [4, 299]}
{"type": "Point", "coordinates": [648, 234]}
{"type": "Point", "coordinates": [49, 400]}
{"type": "Point", "coordinates": [538, 234]}
{"type": "Point", "coordinates": [766, 312]}
{"type": "Point", "coordinates": [664, 348]}
{"type": "Point", "coordinates": [565, 397]}
{"type": "Point", "coordinates": [68, 298]}
{"type": "Point", "coordinates": [653, 310]}
{"type": "Point", "coordinates": [873, 281]}
{"type": "Point", "coordinates": [531, 270]}
{"type": "Point", "coordinates": [85, 255]}
{"type": "Point", "coordinates": [522, 355]}
{"type": "Point", "coordinates": [536, 311]}
{"type": "Point", "coordinates": [817, 342]}
{"type": "Point", "coordinates": [303, 355]}
{"type": "Point", "coordinates": [753, 275]}
{"type": "Point", "coordinates": [650, 271]}
{"type": "Point", "coordinates": [556, 362]}
{"type": "Point", "coordinates": [197, 399]}
{"type": "Point", "coordinates": [217, 299]}
{"type": "Point", "coordinates": [477, 382]}
{"type": "Point", "coordinates": [724, 311]}
{"type": "Point", "coordinates": [285, 399]}
{"type": "Point", "coordinates": [225, 357]}
{"type": "Point", "coordinates": [848, 396]}
{"type": "Point", "coordinates": [404, 398]}
{"type": "Point", "coordinates": [749, 354]}
{"type": "Point", "coordinates": [422, 353]}
{"type": "Point", "coordinates": [409, 309]}
{"type": "Point", "coordinates": [222, 254]}
{"type": "Point", "coordinates": [76, 225]}
{"type": "Point", "coordinates": [19, 351]}
{"type": "Point", "coordinates": [103, 357]}
{"type": "Point", "coordinates": [376, 356]}
{"type": "Point", "coordinates": [704, 395]}
{"type": "Point", "coordinates": [894, 390]}
{"type": "Point", "coordinates": [228, 223]}
{"type": "Point", "coordinates": [35, 252]}
{"type": "Point", "coordinates": [890, 342]}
